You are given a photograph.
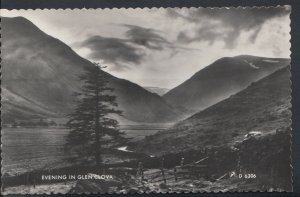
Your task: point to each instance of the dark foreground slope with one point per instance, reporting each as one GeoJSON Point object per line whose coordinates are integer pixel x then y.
{"type": "Point", "coordinates": [40, 74]}
{"type": "Point", "coordinates": [221, 79]}
{"type": "Point", "coordinates": [263, 106]}
{"type": "Point", "coordinates": [219, 137]}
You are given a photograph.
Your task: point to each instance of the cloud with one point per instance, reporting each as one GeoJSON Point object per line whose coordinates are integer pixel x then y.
{"type": "Point", "coordinates": [118, 51]}
{"type": "Point", "coordinates": [128, 52]}
{"type": "Point", "coordinates": [225, 24]}
{"type": "Point", "coordinates": [151, 39]}
{"type": "Point", "coordinates": [147, 37]}
{"type": "Point", "coordinates": [131, 51]}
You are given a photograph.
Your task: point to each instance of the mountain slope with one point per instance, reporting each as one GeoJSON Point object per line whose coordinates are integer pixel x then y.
{"type": "Point", "coordinates": [263, 106]}
{"type": "Point", "coordinates": [157, 90]}
{"type": "Point", "coordinates": [221, 79]}
{"type": "Point", "coordinates": [44, 71]}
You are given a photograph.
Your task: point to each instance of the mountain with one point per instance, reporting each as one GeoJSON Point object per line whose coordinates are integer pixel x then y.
{"type": "Point", "coordinates": [264, 107]}
{"type": "Point", "coordinates": [221, 79]}
{"type": "Point", "coordinates": [157, 90]}
{"type": "Point", "coordinates": [40, 74]}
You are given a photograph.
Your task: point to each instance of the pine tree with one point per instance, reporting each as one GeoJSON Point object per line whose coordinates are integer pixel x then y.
{"type": "Point", "coordinates": [93, 132]}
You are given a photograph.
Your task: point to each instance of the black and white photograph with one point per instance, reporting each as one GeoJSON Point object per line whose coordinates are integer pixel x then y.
{"type": "Point", "coordinates": [146, 100]}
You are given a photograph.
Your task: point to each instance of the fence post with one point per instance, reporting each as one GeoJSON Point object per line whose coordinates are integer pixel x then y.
{"type": "Point", "coordinates": [182, 162]}
{"type": "Point", "coordinates": [27, 179]}
{"type": "Point", "coordinates": [162, 170]}
{"type": "Point", "coordinates": [175, 175]}
{"type": "Point", "coordinates": [272, 176]}
{"type": "Point", "coordinates": [33, 179]}
{"type": "Point", "coordinates": [2, 182]}
{"type": "Point", "coordinates": [197, 174]}
{"type": "Point", "coordinates": [140, 171]}
{"type": "Point", "coordinates": [239, 163]}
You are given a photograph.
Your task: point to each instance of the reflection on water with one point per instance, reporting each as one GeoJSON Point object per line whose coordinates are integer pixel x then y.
{"type": "Point", "coordinates": [124, 148]}
{"type": "Point", "coordinates": [27, 149]}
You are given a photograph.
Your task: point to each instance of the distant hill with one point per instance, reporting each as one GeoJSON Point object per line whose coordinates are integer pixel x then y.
{"type": "Point", "coordinates": [264, 106]}
{"type": "Point", "coordinates": [157, 90]}
{"type": "Point", "coordinates": [40, 74]}
{"type": "Point", "coordinates": [221, 79]}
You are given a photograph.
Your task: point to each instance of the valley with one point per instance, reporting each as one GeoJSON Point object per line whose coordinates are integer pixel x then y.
{"type": "Point", "coordinates": [31, 149]}
{"type": "Point", "coordinates": [263, 106]}
{"type": "Point", "coordinates": [41, 74]}
{"type": "Point", "coordinates": [231, 116]}
{"type": "Point", "coordinates": [220, 80]}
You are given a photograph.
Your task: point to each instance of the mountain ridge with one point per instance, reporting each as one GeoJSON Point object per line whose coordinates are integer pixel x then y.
{"type": "Point", "coordinates": [219, 80]}
{"type": "Point", "coordinates": [263, 106]}
{"type": "Point", "coordinates": [45, 70]}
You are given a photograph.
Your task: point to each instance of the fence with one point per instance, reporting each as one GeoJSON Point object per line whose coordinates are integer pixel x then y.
{"type": "Point", "coordinates": [183, 171]}
{"type": "Point", "coordinates": [162, 174]}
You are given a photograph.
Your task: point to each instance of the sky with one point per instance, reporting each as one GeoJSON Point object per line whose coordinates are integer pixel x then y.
{"type": "Point", "coordinates": [162, 47]}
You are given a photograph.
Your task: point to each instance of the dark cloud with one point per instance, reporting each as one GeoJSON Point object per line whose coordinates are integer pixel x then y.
{"type": "Point", "coordinates": [151, 38]}
{"type": "Point", "coordinates": [146, 37]}
{"type": "Point", "coordinates": [124, 53]}
{"type": "Point", "coordinates": [231, 22]}
{"type": "Point", "coordinates": [120, 52]}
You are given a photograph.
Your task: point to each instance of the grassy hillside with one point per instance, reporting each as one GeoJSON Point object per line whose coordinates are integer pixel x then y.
{"type": "Point", "coordinates": [221, 79]}
{"type": "Point", "coordinates": [264, 106]}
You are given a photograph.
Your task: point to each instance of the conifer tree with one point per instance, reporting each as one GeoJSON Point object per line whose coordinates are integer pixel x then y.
{"type": "Point", "coordinates": [93, 132]}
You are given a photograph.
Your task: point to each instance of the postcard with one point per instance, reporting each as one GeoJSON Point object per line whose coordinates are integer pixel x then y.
{"type": "Point", "coordinates": [146, 100]}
